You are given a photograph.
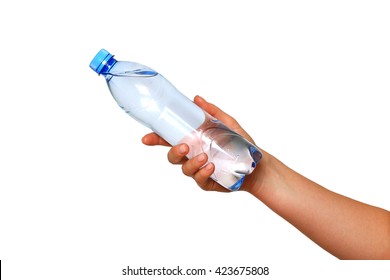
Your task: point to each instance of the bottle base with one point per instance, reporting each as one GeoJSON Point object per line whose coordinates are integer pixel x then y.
{"type": "Point", "coordinates": [237, 185]}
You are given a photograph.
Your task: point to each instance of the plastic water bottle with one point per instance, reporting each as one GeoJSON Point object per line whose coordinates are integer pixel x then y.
{"type": "Point", "coordinates": [153, 101]}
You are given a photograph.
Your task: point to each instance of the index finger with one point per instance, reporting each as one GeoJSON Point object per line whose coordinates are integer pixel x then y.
{"type": "Point", "coordinates": [152, 139]}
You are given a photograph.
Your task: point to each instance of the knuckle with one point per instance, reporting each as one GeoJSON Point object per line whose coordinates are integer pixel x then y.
{"type": "Point", "coordinates": [185, 170]}
{"type": "Point", "coordinates": [173, 157]}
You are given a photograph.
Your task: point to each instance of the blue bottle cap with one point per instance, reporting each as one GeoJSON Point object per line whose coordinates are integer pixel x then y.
{"type": "Point", "coordinates": [100, 60]}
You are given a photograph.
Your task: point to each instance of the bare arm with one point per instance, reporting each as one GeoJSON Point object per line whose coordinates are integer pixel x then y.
{"type": "Point", "coordinates": [344, 227]}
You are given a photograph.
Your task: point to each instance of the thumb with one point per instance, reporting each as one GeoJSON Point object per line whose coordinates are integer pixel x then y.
{"type": "Point", "coordinates": [219, 114]}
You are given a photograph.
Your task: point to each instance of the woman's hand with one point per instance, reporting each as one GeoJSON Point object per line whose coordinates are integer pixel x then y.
{"type": "Point", "coordinates": [195, 167]}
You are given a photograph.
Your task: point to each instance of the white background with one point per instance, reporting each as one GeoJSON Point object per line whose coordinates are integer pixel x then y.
{"type": "Point", "coordinates": [82, 198]}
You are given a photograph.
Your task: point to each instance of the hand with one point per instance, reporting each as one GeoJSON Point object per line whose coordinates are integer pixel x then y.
{"type": "Point", "coordinates": [193, 167]}
{"type": "Point", "coordinates": [346, 228]}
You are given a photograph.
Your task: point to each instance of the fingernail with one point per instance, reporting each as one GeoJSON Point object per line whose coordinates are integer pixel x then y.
{"type": "Point", "coordinates": [182, 149]}
{"type": "Point", "coordinates": [201, 157]}
{"type": "Point", "coordinates": [209, 166]}
{"type": "Point", "coordinates": [200, 98]}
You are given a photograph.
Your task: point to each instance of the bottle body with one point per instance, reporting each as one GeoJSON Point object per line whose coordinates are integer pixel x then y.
{"type": "Point", "coordinates": [232, 155]}
{"type": "Point", "coordinates": [153, 101]}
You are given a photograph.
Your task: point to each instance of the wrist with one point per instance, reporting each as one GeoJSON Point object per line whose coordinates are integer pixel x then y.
{"type": "Point", "coordinates": [261, 177]}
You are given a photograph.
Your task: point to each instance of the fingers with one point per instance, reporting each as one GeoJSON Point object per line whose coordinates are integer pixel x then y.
{"type": "Point", "coordinates": [200, 171]}
{"type": "Point", "coordinates": [209, 107]}
{"type": "Point", "coordinates": [202, 175]}
{"type": "Point", "coordinates": [152, 139]}
{"type": "Point", "coordinates": [177, 154]}
{"type": "Point", "coordinates": [196, 167]}
{"type": "Point", "coordinates": [193, 165]}
{"type": "Point", "coordinates": [215, 112]}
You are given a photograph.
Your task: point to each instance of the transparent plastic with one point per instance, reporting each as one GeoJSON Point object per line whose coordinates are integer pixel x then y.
{"type": "Point", "coordinates": [153, 101]}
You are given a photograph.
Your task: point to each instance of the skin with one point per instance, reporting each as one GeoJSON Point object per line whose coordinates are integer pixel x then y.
{"type": "Point", "coordinates": [346, 228]}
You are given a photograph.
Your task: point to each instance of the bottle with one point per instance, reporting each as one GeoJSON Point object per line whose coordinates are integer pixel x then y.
{"type": "Point", "coordinates": [153, 101]}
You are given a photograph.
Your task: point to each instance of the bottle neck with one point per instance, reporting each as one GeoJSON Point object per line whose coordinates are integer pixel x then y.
{"type": "Point", "coordinates": [107, 65]}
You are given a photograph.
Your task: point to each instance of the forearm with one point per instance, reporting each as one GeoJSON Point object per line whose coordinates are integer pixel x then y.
{"type": "Point", "coordinates": [346, 228]}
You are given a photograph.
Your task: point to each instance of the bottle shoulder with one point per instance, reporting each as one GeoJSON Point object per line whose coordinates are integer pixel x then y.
{"type": "Point", "coordinates": [130, 69]}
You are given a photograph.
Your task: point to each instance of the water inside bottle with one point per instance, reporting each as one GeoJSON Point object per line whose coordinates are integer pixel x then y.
{"type": "Point", "coordinates": [158, 105]}
{"type": "Point", "coordinates": [139, 73]}
{"type": "Point", "coordinates": [233, 156]}
{"type": "Point", "coordinates": [153, 101]}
